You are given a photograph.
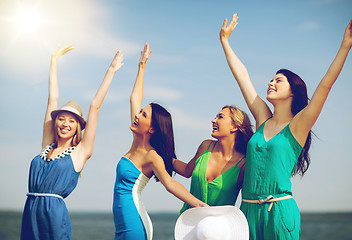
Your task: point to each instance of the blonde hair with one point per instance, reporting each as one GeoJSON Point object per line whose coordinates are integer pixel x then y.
{"type": "Point", "coordinates": [243, 123]}
{"type": "Point", "coordinates": [76, 138]}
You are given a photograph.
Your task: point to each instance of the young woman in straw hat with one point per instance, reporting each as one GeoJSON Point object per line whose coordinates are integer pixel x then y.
{"type": "Point", "coordinates": [150, 155]}
{"type": "Point", "coordinates": [218, 166]}
{"type": "Point", "coordinates": [54, 173]}
{"type": "Point", "coordinates": [279, 147]}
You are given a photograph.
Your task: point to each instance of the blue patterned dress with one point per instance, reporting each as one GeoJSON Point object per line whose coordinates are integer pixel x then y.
{"type": "Point", "coordinates": [45, 216]}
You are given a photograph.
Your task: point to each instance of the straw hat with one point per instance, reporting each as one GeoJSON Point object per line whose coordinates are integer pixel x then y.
{"type": "Point", "coordinates": [212, 223]}
{"type": "Point", "coordinates": [71, 107]}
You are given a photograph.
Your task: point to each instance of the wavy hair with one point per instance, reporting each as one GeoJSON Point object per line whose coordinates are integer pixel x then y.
{"type": "Point", "coordinates": [243, 123]}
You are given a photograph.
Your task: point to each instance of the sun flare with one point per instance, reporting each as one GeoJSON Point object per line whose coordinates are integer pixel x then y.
{"type": "Point", "coordinates": [27, 20]}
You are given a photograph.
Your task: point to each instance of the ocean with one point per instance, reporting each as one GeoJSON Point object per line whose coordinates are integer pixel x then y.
{"type": "Point", "coordinates": [100, 226]}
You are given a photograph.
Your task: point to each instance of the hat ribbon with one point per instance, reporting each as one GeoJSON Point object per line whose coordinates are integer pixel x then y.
{"type": "Point", "coordinates": [70, 109]}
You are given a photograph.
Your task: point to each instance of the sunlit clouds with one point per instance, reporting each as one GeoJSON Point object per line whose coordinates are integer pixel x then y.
{"type": "Point", "coordinates": [32, 32]}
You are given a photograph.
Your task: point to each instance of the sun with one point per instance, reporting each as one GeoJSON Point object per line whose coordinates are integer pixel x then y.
{"type": "Point", "coordinates": [26, 19]}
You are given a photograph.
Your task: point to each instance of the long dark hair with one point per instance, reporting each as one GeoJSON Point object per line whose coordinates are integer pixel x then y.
{"type": "Point", "coordinates": [162, 140]}
{"type": "Point", "coordinates": [300, 101]}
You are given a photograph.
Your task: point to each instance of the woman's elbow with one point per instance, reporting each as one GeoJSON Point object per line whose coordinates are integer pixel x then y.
{"type": "Point", "coordinates": [95, 105]}
{"type": "Point", "coordinates": [169, 186]}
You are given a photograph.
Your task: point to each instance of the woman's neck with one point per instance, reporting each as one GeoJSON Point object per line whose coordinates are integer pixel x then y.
{"type": "Point", "coordinates": [282, 112]}
{"type": "Point", "coordinates": [141, 142]}
{"type": "Point", "coordinates": [64, 143]}
{"type": "Point", "coordinates": [226, 146]}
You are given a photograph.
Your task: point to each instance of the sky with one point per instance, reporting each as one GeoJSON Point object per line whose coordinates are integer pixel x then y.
{"type": "Point", "coordinates": [186, 72]}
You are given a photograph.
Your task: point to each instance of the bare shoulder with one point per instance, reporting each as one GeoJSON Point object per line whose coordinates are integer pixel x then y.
{"type": "Point", "coordinates": [153, 157]}
{"type": "Point", "coordinates": [204, 145]}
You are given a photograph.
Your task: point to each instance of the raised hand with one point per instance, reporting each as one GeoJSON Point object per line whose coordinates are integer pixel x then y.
{"type": "Point", "coordinates": [61, 51]}
{"type": "Point", "coordinates": [144, 55]}
{"type": "Point", "coordinates": [116, 63]}
{"type": "Point", "coordinates": [347, 37]}
{"type": "Point", "coordinates": [226, 31]}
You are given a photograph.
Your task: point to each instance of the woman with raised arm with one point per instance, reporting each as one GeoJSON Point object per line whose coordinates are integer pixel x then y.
{"type": "Point", "coordinates": [150, 155]}
{"type": "Point", "coordinates": [218, 166]}
{"type": "Point", "coordinates": [279, 147]}
{"type": "Point", "coordinates": [54, 173]}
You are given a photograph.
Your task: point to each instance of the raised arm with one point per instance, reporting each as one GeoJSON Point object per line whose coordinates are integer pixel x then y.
{"type": "Point", "coordinates": [85, 148]}
{"type": "Point", "coordinates": [137, 92]}
{"type": "Point", "coordinates": [186, 169]}
{"type": "Point", "coordinates": [304, 120]}
{"type": "Point", "coordinates": [53, 97]}
{"type": "Point", "coordinates": [256, 105]}
{"type": "Point", "coordinates": [172, 186]}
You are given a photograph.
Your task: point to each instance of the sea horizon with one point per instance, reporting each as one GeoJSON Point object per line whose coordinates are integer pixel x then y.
{"type": "Point", "coordinates": [90, 225]}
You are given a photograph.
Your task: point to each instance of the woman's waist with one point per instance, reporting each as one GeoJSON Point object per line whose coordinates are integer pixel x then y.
{"type": "Point", "coordinates": [46, 195]}
{"type": "Point", "coordinates": [264, 188]}
{"type": "Point", "coordinates": [256, 196]}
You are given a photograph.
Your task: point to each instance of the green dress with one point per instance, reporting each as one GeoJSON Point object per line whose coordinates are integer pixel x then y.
{"type": "Point", "coordinates": [269, 167]}
{"type": "Point", "coordinates": [221, 191]}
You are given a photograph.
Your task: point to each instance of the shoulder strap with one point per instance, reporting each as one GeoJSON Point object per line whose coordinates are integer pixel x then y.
{"type": "Point", "coordinates": [262, 125]}
{"type": "Point", "coordinates": [241, 161]}
{"type": "Point", "coordinates": [210, 145]}
{"type": "Point", "coordinates": [266, 121]}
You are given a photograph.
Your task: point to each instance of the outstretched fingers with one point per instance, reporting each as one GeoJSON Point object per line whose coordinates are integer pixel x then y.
{"type": "Point", "coordinates": [226, 31]}
{"type": "Point", "coordinates": [61, 51]}
{"type": "Point", "coordinates": [233, 22]}
{"type": "Point", "coordinates": [145, 54]}
{"type": "Point", "coordinates": [117, 63]}
{"type": "Point", "coordinates": [224, 24]}
{"type": "Point", "coordinates": [67, 49]}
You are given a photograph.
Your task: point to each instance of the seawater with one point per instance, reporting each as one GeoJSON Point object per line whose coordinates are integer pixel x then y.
{"type": "Point", "coordinates": [100, 226]}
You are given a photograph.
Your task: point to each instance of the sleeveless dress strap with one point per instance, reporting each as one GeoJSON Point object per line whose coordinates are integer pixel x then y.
{"type": "Point", "coordinates": [266, 121]}
{"type": "Point", "coordinates": [210, 145]}
{"type": "Point", "coordinates": [263, 123]}
{"type": "Point", "coordinates": [241, 161]}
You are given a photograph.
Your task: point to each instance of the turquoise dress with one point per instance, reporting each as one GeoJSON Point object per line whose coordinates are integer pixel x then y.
{"type": "Point", "coordinates": [131, 219]}
{"type": "Point", "coordinates": [223, 190]}
{"type": "Point", "coordinates": [269, 167]}
{"type": "Point", "coordinates": [45, 216]}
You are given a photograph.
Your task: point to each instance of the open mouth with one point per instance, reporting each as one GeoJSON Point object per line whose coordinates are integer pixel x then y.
{"type": "Point", "coordinates": [64, 131]}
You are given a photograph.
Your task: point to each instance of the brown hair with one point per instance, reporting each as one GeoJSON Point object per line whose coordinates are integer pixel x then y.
{"type": "Point", "coordinates": [243, 123]}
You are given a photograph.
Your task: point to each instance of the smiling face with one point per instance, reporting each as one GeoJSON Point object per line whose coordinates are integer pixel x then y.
{"type": "Point", "coordinates": [223, 124]}
{"type": "Point", "coordinates": [66, 125]}
{"type": "Point", "coordinates": [279, 88]}
{"type": "Point", "coordinates": [142, 123]}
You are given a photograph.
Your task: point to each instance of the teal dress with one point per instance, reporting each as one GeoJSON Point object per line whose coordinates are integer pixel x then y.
{"type": "Point", "coordinates": [223, 190]}
{"type": "Point", "coordinates": [269, 167]}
